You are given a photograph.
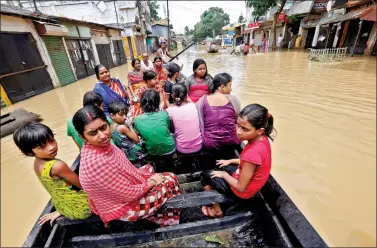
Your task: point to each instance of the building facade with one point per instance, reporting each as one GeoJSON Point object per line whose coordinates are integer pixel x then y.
{"type": "Point", "coordinates": [51, 51]}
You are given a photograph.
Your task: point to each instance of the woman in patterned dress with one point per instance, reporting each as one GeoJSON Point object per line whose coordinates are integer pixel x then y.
{"type": "Point", "coordinates": [116, 189]}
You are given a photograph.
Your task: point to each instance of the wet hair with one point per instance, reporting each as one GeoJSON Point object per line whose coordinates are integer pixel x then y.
{"type": "Point", "coordinates": [179, 93]}
{"type": "Point", "coordinates": [97, 68]}
{"type": "Point", "coordinates": [150, 101]}
{"type": "Point", "coordinates": [220, 79]}
{"type": "Point", "coordinates": [92, 98]}
{"type": "Point", "coordinates": [86, 115]}
{"type": "Point", "coordinates": [32, 135]}
{"type": "Point", "coordinates": [149, 75]}
{"type": "Point", "coordinates": [157, 58]}
{"type": "Point", "coordinates": [133, 62]}
{"type": "Point", "coordinates": [172, 69]}
{"type": "Point", "coordinates": [258, 117]}
{"type": "Point", "coordinates": [118, 107]}
{"type": "Point", "coordinates": [197, 63]}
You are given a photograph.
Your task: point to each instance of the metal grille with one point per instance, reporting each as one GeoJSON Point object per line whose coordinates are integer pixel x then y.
{"type": "Point", "coordinates": [328, 54]}
{"type": "Point", "coordinates": [59, 59]}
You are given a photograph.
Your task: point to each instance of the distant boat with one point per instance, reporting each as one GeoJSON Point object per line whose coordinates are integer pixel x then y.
{"type": "Point", "coordinates": [212, 50]}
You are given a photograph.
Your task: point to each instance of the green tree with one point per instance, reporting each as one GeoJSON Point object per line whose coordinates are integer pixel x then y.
{"type": "Point", "coordinates": [153, 7]}
{"type": "Point", "coordinates": [241, 19]}
{"type": "Point", "coordinates": [212, 20]}
{"type": "Point", "coordinates": [260, 9]}
{"type": "Point", "coordinates": [187, 30]}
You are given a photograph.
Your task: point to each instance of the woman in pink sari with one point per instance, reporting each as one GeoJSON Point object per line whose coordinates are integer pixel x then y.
{"type": "Point", "coordinates": [116, 189]}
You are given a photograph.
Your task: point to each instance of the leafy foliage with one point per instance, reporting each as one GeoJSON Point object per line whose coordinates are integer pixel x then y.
{"type": "Point", "coordinates": [212, 20]}
{"type": "Point", "coordinates": [241, 19]}
{"type": "Point", "coordinates": [153, 7]}
{"type": "Point", "coordinates": [188, 31]}
{"type": "Point", "coordinates": [260, 9]}
{"type": "Point", "coordinates": [261, 6]}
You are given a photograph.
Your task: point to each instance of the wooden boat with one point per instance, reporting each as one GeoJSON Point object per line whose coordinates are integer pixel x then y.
{"type": "Point", "coordinates": [10, 122]}
{"type": "Point", "coordinates": [268, 219]}
{"type": "Point", "coordinates": [212, 50]}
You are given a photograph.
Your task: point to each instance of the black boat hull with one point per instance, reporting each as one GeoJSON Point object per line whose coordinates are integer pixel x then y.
{"type": "Point", "coordinates": [271, 218]}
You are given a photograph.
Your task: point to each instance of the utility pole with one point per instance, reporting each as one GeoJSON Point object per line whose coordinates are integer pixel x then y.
{"type": "Point", "coordinates": [116, 13]}
{"type": "Point", "coordinates": [143, 33]}
{"type": "Point", "coordinates": [167, 6]}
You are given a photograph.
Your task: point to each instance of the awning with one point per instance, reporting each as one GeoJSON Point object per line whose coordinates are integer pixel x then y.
{"type": "Point", "coordinates": [369, 14]}
{"type": "Point", "coordinates": [45, 28]}
{"type": "Point", "coordinates": [247, 31]}
{"type": "Point", "coordinates": [339, 18]}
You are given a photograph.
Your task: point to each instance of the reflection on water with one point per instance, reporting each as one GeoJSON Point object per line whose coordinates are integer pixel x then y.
{"type": "Point", "coordinates": [324, 155]}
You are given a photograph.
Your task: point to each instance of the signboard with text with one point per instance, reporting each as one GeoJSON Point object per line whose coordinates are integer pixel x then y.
{"type": "Point", "coordinates": [253, 25]}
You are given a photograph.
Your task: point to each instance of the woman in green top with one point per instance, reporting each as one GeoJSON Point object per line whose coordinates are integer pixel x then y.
{"type": "Point", "coordinates": [154, 127]}
{"type": "Point", "coordinates": [90, 98]}
{"type": "Point", "coordinates": [63, 185]}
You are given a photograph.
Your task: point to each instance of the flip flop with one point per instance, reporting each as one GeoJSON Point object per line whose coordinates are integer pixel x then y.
{"type": "Point", "coordinates": [205, 211]}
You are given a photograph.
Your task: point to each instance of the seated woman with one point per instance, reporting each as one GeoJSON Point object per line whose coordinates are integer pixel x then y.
{"type": "Point", "coordinates": [161, 72]}
{"type": "Point", "coordinates": [217, 115]}
{"type": "Point", "coordinates": [185, 127]}
{"type": "Point", "coordinates": [173, 75]}
{"type": "Point", "coordinates": [116, 189]}
{"type": "Point", "coordinates": [124, 137]}
{"type": "Point", "coordinates": [154, 128]}
{"type": "Point", "coordinates": [255, 125]}
{"type": "Point", "coordinates": [150, 82]}
{"type": "Point", "coordinates": [111, 89]}
{"type": "Point", "coordinates": [199, 83]}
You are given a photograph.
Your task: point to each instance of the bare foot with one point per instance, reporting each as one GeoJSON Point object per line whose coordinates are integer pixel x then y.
{"type": "Point", "coordinates": [210, 212]}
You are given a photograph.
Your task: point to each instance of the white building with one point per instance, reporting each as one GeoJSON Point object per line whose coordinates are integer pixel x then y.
{"type": "Point", "coordinates": [132, 16]}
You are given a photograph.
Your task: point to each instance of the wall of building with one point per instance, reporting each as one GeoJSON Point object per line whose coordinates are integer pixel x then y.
{"type": "Point", "coordinates": [159, 31]}
{"type": "Point", "coordinates": [103, 13]}
{"type": "Point", "coordinates": [21, 25]}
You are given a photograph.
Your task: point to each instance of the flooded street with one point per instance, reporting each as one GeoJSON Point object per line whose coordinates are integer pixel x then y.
{"type": "Point", "coordinates": [324, 155]}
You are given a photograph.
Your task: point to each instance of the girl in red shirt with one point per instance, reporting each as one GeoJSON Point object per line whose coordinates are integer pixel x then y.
{"type": "Point", "coordinates": [255, 125]}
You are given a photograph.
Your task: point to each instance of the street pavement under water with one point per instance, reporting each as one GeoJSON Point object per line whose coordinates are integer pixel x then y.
{"type": "Point", "coordinates": [324, 155]}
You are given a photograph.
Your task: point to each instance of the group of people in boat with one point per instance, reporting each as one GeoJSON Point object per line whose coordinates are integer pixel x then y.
{"type": "Point", "coordinates": [134, 140]}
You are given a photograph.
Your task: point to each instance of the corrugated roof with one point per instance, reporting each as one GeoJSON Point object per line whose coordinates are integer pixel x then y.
{"type": "Point", "coordinates": [13, 10]}
{"type": "Point", "coordinates": [353, 3]}
{"type": "Point", "coordinates": [17, 11]}
{"type": "Point", "coordinates": [369, 14]}
{"type": "Point", "coordinates": [163, 22]}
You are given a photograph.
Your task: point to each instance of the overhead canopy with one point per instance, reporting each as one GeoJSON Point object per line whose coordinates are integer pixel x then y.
{"type": "Point", "coordinates": [369, 14]}
{"type": "Point", "coordinates": [335, 19]}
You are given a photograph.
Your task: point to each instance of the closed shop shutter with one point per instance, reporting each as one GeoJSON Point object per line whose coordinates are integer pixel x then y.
{"type": "Point", "coordinates": [59, 59]}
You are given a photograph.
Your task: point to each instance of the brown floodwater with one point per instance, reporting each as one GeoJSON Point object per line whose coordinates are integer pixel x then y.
{"type": "Point", "coordinates": [324, 155]}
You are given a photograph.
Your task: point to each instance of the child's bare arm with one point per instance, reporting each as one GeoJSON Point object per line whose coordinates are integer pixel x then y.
{"type": "Point", "coordinates": [123, 129]}
{"type": "Point", "coordinates": [245, 177]}
{"type": "Point", "coordinates": [61, 169]}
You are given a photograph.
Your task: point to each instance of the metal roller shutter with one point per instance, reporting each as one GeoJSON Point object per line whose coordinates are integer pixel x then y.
{"type": "Point", "coordinates": [59, 59]}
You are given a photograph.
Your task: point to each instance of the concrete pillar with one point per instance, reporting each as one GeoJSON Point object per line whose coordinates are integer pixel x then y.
{"type": "Point", "coordinates": [50, 68]}
{"type": "Point", "coordinates": [69, 57]}
{"type": "Point", "coordinates": [304, 35]}
{"type": "Point", "coordinates": [337, 34]}
{"type": "Point", "coordinates": [95, 52]}
{"type": "Point", "coordinates": [371, 41]}
{"type": "Point", "coordinates": [316, 34]}
{"type": "Point", "coordinates": [344, 34]}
